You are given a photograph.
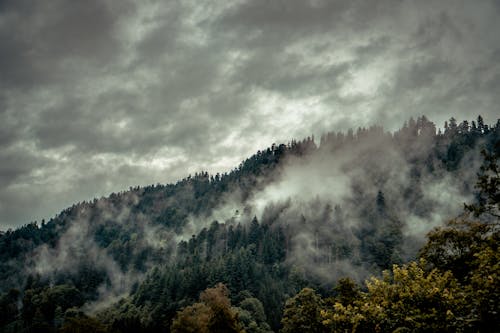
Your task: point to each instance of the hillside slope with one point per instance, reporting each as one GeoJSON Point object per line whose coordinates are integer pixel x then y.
{"type": "Point", "coordinates": [295, 215]}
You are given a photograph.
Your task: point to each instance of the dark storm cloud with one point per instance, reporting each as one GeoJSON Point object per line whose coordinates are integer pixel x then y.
{"type": "Point", "coordinates": [97, 96]}
{"type": "Point", "coordinates": [43, 42]}
{"type": "Point", "coordinates": [17, 163]}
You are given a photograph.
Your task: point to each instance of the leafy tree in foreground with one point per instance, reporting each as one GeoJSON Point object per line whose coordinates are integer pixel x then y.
{"type": "Point", "coordinates": [212, 314]}
{"type": "Point", "coordinates": [252, 316]}
{"type": "Point", "coordinates": [303, 313]}
{"type": "Point", "coordinates": [408, 298]}
{"type": "Point", "coordinates": [484, 289]}
{"type": "Point", "coordinates": [454, 247]}
{"type": "Point", "coordinates": [347, 291]}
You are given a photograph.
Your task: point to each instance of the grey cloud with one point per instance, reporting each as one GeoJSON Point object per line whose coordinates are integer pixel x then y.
{"type": "Point", "coordinates": [374, 48]}
{"type": "Point", "coordinates": [163, 39]}
{"type": "Point", "coordinates": [45, 42]}
{"type": "Point", "coordinates": [155, 90]}
{"type": "Point", "coordinates": [17, 163]}
{"type": "Point", "coordinates": [288, 17]}
{"type": "Point", "coordinates": [291, 74]}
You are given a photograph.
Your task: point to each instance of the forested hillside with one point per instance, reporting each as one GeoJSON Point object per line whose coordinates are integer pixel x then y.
{"type": "Point", "coordinates": [282, 242]}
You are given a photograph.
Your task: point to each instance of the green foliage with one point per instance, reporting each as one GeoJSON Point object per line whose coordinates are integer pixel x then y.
{"type": "Point", "coordinates": [454, 287]}
{"type": "Point", "coordinates": [82, 324]}
{"type": "Point", "coordinates": [255, 257]}
{"type": "Point", "coordinates": [8, 306]}
{"type": "Point", "coordinates": [488, 185]}
{"type": "Point", "coordinates": [303, 313]}
{"type": "Point", "coordinates": [347, 291]}
{"type": "Point", "coordinates": [484, 288]}
{"type": "Point", "coordinates": [470, 250]}
{"type": "Point", "coordinates": [252, 316]}
{"type": "Point", "coordinates": [41, 305]}
{"type": "Point", "coordinates": [453, 247]}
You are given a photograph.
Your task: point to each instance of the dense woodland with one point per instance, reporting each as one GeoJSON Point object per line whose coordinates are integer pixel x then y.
{"type": "Point", "coordinates": [358, 232]}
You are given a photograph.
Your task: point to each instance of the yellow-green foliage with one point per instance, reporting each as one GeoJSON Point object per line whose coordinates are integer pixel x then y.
{"type": "Point", "coordinates": [82, 324]}
{"type": "Point", "coordinates": [406, 298]}
{"type": "Point", "coordinates": [484, 286]}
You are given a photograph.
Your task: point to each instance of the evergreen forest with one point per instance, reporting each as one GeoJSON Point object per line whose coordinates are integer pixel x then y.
{"type": "Point", "coordinates": [356, 231]}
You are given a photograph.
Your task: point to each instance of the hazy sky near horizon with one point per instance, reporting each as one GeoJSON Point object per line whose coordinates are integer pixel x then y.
{"type": "Point", "coordinates": [100, 95]}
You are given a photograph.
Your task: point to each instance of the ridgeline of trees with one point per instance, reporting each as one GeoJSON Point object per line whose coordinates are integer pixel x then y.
{"type": "Point", "coordinates": [237, 276]}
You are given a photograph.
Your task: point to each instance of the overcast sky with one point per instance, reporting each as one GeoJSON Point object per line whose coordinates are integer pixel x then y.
{"type": "Point", "coordinates": [97, 96]}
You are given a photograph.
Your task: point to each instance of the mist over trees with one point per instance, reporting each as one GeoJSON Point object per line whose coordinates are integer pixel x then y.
{"type": "Point", "coordinates": [282, 242]}
{"type": "Point", "coordinates": [453, 287]}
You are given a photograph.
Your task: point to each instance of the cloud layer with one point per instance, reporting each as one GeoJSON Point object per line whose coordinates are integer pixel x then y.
{"type": "Point", "coordinates": [102, 95]}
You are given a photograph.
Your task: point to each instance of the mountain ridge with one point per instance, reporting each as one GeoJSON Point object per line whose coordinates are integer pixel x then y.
{"type": "Point", "coordinates": [355, 204]}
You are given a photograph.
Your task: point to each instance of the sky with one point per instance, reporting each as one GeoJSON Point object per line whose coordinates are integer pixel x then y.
{"type": "Point", "coordinates": [100, 95]}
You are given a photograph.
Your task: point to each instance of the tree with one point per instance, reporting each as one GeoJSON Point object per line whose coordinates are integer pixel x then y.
{"type": "Point", "coordinates": [223, 318]}
{"type": "Point", "coordinates": [488, 184]}
{"type": "Point", "coordinates": [254, 233]}
{"type": "Point", "coordinates": [212, 314]}
{"type": "Point", "coordinates": [406, 299]}
{"type": "Point", "coordinates": [480, 124]}
{"type": "Point", "coordinates": [192, 319]}
{"type": "Point", "coordinates": [252, 316]}
{"type": "Point", "coordinates": [453, 247]}
{"type": "Point", "coordinates": [380, 202]}
{"type": "Point", "coordinates": [303, 313]}
{"type": "Point", "coordinates": [484, 288]}
{"type": "Point", "coordinates": [82, 324]}
{"type": "Point", "coordinates": [39, 322]}
{"type": "Point", "coordinates": [470, 250]}
{"type": "Point", "coordinates": [8, 306]}
{"type": "Point", "coordinates": [453, 125]}
{"type": "Point", "coordinates": [347, 291]}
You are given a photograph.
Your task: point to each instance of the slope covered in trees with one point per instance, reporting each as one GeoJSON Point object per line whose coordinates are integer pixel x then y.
{"type": "Point", "coordinates": [290, 217]}
{"type": "Point", "coordinates": [453, 287]}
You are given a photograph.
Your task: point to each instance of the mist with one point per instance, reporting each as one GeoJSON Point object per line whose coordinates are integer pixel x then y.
{"type": "Point", "coordinates": [352, 204]}
{"type": "Point", "coordinates": [327, 200]}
